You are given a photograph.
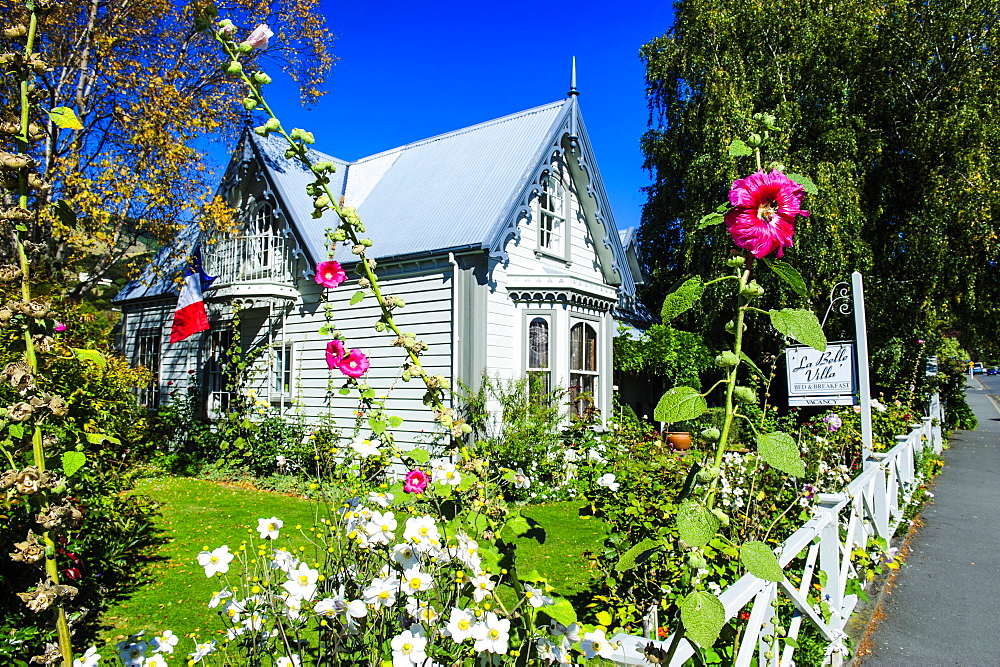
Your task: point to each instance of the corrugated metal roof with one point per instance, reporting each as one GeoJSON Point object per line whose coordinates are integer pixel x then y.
{"type": "Point", "coordinates": [448, 191]}
{"type": "Point", "coordinates": [455, 190]}
{"type": "Point", "coordinates": [158, 278]}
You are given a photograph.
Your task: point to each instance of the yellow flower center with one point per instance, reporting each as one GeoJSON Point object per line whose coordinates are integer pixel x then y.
{"type": "Point", "coordinates": [463, 624]}
{"type": "Point", "coordinates": [415, 582]}
{"type": "Point", "coordinates": [494, 633]}
{"type": "Point", "coordinates": [407, 648]}
{"type": "Point", "coordinates": [383, 595]}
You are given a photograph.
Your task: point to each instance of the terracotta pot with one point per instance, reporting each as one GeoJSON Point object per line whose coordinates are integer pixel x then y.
{"type": "Point", "coordinates": [679, 440]}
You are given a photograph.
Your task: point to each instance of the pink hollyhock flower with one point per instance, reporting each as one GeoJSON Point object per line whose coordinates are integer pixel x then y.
{"type": "Point", "coordinates": [59, 327]}
{"type": "Point", "coordinates": [258, 38]}
{"type": "Point", "coordinates": [330, 274]}
{"type": "Point", "coordinates": [354, 365]}
{"type": "Point", "coordinates": [334, 353]}
{"type": "Point", "coordinates": [763, 216]}
{"type": "Point", "coordinates": [416, 481]}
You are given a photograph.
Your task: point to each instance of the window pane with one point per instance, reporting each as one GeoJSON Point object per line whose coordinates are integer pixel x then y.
{"type": "Point", "coordinates": [538, 343]}
{"type": "Point", "coordinates": [576, 346]}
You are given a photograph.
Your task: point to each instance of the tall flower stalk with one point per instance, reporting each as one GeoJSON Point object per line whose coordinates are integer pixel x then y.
{"type": "Point", "coordinates": [38, 483]}
{"type": "Point", "coordinates": [760, 218]}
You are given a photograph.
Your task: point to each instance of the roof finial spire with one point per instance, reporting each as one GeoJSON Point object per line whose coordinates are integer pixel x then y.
{"type": "Point", "coordinates": [573, 92]}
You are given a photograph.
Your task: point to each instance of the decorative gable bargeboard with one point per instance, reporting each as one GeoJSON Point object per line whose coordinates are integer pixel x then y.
{"type": "Point", "coordinates": [498, 237]}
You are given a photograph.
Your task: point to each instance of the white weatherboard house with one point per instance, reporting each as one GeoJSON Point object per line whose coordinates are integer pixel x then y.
{"type": "Point", "coordinates": [499, 237]}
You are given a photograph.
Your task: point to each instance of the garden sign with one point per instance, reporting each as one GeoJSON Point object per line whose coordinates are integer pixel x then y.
{"type": "Point", "coordinates": [821, 378]}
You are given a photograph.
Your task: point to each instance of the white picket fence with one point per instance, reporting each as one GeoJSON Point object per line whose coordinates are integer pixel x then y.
{"type": "Point", "coordinates": [872, 505]}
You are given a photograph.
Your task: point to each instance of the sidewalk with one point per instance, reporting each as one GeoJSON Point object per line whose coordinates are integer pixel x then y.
{"type": "Point", "coordinates": [944, 606]}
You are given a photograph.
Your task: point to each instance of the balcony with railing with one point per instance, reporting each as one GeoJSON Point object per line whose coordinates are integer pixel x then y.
{"type": "Point", "coordinates": [258, 265]}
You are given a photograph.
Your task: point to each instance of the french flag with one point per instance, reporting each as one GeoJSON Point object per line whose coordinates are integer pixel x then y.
{"type": "Point", "coordinates": [191, 316]}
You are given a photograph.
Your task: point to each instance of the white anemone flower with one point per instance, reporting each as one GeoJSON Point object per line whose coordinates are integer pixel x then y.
{"type": "Point", "coordinates": [283, 559]}
{"type": "Point", "coordinates": [218, 597]}
{"type": "Point", "coordinates": [405, 555]}
{"type": "Point", "coordinates": [571, 632]}
{"type": "Point", "coordinates": [155, 660]}
{"type": "Point", "coordinates": [289, 661]}
{"type": "Point", "coordinates": [268, 528]}
{"type": "Point", "coordinates": [596, 643]}
{"type": "Point", "coordinates": [132, 651]}
{"type": "Point", "coordinates": [381, 528]}
{"type": "Point", "coordinates": [365, 447]}
{"type": "Point", "coordinates": [445, 474]}
{"type": "Point", "coordinates": [91, 658]}
{"type": "Point", "coordinates": [408, 648]}
{"type": "Point", "coordinates": [215, 561]}
{"type": "Point", "coordinates": [421, 611]}
{"type": "Point", "coordinates": [339, 607]}
{"type": "Point", "coordinates": [482, 587]}
{"type": "Point", "coordinates": [607, 480]}
{"type": "Point", "coordinates": [301, 582]}
{"type": "Point", "coordinates": [165, 642]}
{"type": "Point", "coordinates": [383, 500]}
{"type": "Point", "coordinates": [202, 650]}
{"type": "Point", "coordinates": [415, 581]}
{"type": "Point", "coordinates": [381, 592]}
{"type": "Point", "coordinates": [460, 624]}
{"type": "Point", "coordinates": [491, 634]}
{"type": "Point", "coordinates": [536, 597]}
{"type": "Point", "coordinates": [521, 481]}
{"type": "Point", "coordinates": [422, 531]}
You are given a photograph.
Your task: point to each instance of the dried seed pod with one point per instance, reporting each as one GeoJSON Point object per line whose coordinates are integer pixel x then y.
{"type": "Point", "coordinates": [15, 31]}
{"type": "Point", "coordinates": [29, 551]}
{"type": "Point", "coordinates": [9, 273]}
{"type": "Point", "coordinates": [20, 376]}
{"type": "Point", "coordinates": [20, 412]}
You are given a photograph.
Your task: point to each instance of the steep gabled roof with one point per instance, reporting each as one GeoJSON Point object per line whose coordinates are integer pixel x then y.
{"type": "Point", "coordinates": [466, 189]}
{"type": "Point", "coordinates": [450, 191]}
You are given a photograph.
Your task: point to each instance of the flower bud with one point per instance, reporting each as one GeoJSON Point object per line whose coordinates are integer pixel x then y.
{"type": "Point", "coordinates": [322, 202]}
{"type": "Point", "coordinates": [338, 235]}
{"type": "Point", "coordinates": [755, 140]}
{"type": "Point", "coordinates": [735, 261]}
{"type": "Point", "coordinates": [358, 249]}
{"type": "Point", "coordinates": [727, 359]}
{"type": "Point", "coordinates": [711, 434]}
{"type": "Point", "coordinates": [272, 125]}
{"type": "Point", "coordinates": [777, 166]}
{"type": "Point", "coordinates": [261, 77]}
{"type": "Point", "coordinates": [731, 327]}
{"type": "Point", "coordinates": [706, 475]}
{"type": "Point", "coordinates": [245, 47]}
{"type": "Point", "coordinates": [249, 103]}
{"type": "Point", "coordinates": [745, 395]}
{"type": "Point", "coordinates": [366, 243]}
{"type": "Point", "coordinates": [752, 290]}
{"type": "Point", "coordinates": [234, 68]}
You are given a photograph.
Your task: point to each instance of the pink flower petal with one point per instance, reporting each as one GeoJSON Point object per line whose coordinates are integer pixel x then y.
{"type": "Point", "coordinates": [330, 274]}
{"type": "Point", "coordinates": [763, 216]}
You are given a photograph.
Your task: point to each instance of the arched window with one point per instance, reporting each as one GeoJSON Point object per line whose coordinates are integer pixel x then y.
{"type": "Point", "coordinates": [583, 372]}
{"type": "Point", "coordinates": [538, 358]}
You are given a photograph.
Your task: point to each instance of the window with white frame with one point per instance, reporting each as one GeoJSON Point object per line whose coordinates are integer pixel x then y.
{"type": "Point", "coordinates": [147, 355]}
{"type": "Point", "coordinates": [583, 371]}
{"type": "Point", "coordinates": [551, 211]}
{"type": "Point", "coordinates": [538, 370]}
{"type": "Point", "coordinates": [217, 372]}
{"type": "Point", "coordinates": [281, 370]}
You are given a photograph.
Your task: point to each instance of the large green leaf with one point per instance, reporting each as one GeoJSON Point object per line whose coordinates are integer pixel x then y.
{"type": "Point", "coordinates": [789, 274]}
{"type": "Point", "coordinates": [802, 325]}
{"type": "Point", "coordinates": [561, 610]}
{"type": "Point", "coordinates": [749, 362]}
{"type": "Point", "coordinates": [628, 559]}
{"type": "Point", "coordinates": [760, 561]}
{"type": "Point", "coordinates": [680, 404]}
{"type": "Point", "coordinates": [780, 451]}
{"type": "Point", "coordinates": [710, 219]}
{"type": "Point", "coordinates": [806, 183]}
{"type": "Point", "coordinates": [418, 455]}
{"type": "Point", "coordinates": [739, 148]}
{"type": "Point", "coordinates": [696, 523]}
{"type": "Point", "coordinates": [703, 616]}
{"type": "Point", "coordinates": [682, 298]}
{"type": "Point", "coordinates": [91, 355]}
{"type": "Point", "coordinates": [73, 461]}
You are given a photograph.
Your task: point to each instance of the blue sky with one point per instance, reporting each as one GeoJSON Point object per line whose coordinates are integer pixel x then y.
{"type": "Point", "coordinates": [410, 70]}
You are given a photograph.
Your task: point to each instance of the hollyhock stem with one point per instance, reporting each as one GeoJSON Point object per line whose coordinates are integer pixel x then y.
{"type": "Point", "coordinates": [720, 450]}
{"type": "Point", "coordinates": [37, 445]}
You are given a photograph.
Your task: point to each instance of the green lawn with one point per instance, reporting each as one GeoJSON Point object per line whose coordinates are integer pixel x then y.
{"type": "Point", "coordinates": [196, 514]}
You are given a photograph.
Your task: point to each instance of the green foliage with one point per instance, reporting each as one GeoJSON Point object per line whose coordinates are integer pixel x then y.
{"type": "Point", "coordinates": [760, 561]}
{"type": "Point", "coordinates": [527, 433]}
{"type": "Point", "coordinates": [889, 110]}
{"type": "Point", "coordinates": [802, 325]}
{"type": "Point", "coordinates": [703, 616]}
{"type": "Point", "coordinates": [781, 451]}
{"type": "Point", "coordinates": [674, 356]}
{"type": "Point", "coordinates": [682, 299]}
{"type": "Point", "coordinates": [680, 404]}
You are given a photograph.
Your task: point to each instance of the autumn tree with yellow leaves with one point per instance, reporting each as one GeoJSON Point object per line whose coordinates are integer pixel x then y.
{"type": "Point", "coordinates": [150, 96]}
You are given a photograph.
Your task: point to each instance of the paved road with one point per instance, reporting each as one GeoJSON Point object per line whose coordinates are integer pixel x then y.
{"type": "Point", "coordinates": [944, 608]}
